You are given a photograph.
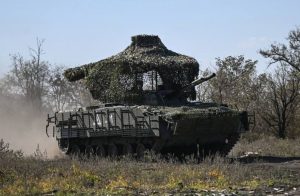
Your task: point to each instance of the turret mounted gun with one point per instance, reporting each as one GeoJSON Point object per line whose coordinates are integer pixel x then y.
{"type": "Point", "coordinates": [197, 82]}
{"type": "Point", "coordinates": [173, 97]}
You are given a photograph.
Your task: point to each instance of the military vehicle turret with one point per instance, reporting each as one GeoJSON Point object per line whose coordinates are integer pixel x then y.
{"type": "Point", "coordinates": [147, 92]}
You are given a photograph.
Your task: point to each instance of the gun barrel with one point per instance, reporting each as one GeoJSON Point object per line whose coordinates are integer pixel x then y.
{"type": "Point", "coordinates": [198, 81]}
{"type": "Point", "coordinates": [186, 89]}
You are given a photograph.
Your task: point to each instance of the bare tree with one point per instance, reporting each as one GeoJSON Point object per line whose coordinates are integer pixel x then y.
{"type": "Point", "coordinates": [283, 100]}
{"type": "Point", "coordinates": [283, 86]}
{"type": "Point", "coordinates": [42, 86]}
{"type": "Point", "coordinates": [28, 77]}
{"type": "Point", "coordinates": [287, 54]}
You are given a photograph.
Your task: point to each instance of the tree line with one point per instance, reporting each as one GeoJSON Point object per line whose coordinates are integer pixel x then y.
{"type": "Point", "coordinates": [40, 85]}
{"type": "Point", "coordinates": [272, 97]}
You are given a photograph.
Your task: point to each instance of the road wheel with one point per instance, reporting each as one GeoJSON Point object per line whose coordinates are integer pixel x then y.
{"type": "Point", "coordinates": [100, 151]}
{"type": "Point", "coordinates": [112, 150]}
{"type": "Point", "coordinates": [140, 151]}
{"type": "Point", "coordinates": [64, 145]}
{"type": "Point", "coordinates": [127, 149]}
{"type": "Point", "coordinates": [89, 151]}
{"type": "Point", "coordinates": [75, 151]}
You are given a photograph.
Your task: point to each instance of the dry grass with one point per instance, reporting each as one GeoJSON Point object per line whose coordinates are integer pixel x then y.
{"type": "Point", "coordinates": [266, 145]}
{"type": "Point", "coordinates": [36, 175]}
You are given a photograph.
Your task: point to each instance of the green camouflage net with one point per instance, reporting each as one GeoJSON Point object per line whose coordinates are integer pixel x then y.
{"type": "Point", "coordinates": [120, 78]}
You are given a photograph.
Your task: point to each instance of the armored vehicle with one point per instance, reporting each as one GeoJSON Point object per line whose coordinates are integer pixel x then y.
{"type": "Point", "coordinates": [147, 93]}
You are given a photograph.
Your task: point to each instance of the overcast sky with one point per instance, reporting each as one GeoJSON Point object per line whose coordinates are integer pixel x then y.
{"type": "Point", "coordinates": [77, 32]}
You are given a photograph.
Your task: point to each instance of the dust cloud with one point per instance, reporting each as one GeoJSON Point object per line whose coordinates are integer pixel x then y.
{"type": "Point", "coordinates": [24, 129]}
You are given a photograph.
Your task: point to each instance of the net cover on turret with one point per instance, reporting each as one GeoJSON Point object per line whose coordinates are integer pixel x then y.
{"type": "Point", "coordinates": [122, 77]}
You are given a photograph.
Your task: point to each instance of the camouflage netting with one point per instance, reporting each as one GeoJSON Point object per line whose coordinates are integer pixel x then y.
{"type": "Point", "coordinates": [120, 77]}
